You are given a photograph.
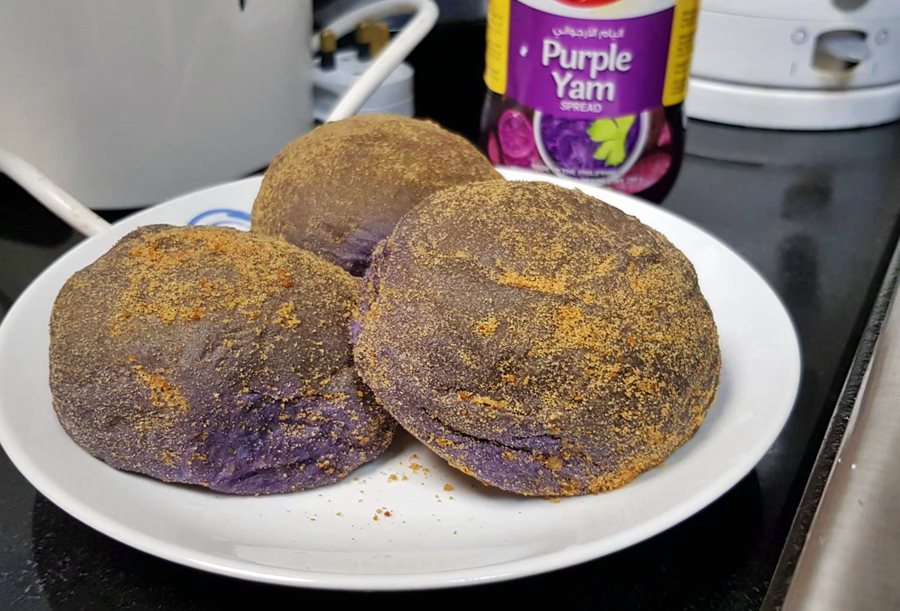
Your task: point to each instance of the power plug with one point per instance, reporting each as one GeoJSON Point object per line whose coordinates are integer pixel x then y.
{"type": "Point", "coordinates": [394, 96]}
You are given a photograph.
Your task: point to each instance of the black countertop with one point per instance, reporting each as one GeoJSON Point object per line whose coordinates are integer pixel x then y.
{"type": "Point", "coordinates": [817, 214]}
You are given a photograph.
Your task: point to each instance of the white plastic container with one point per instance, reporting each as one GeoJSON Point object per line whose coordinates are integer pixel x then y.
{"type": "Point", "coordinates": [811, 65]}
{"type": "Point", "coordinates": [125, 104]}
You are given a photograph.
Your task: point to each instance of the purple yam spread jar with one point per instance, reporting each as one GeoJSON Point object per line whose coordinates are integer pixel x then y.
{"type": "Point", "coordinates": [590, 89]}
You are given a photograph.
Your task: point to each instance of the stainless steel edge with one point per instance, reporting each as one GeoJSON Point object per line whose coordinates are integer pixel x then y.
{"type": "Point", "coordinates": [851, 559]}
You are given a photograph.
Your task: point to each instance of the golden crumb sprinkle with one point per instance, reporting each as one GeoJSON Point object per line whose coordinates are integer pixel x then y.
{"type": "Point", "coordinates": [546, 343]}
{"type": "Point", "coordinates": [339, 189]}
{"type": "Point", "coordinates": [182, 348]}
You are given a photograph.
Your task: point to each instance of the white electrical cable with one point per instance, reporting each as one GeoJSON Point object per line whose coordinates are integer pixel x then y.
{"type": "Point", "coordinates": [426, 15]}
{"type": "Point", "coordinates": [86, 221]}
{"type": "Point", "coordinates": [55, 199]}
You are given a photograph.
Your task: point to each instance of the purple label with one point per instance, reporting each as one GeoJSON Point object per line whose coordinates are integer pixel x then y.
{"type": "Point", "coordinates": [575, 68]}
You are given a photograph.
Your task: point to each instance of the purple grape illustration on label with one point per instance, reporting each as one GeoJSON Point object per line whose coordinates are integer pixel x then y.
{"type": "Point", "coordinates": [493, 150]}
{"type": "Point", "coordinates": [597, 149]}
{"type": "Point", "coordinates": [515, 134]}
{"type": "Point", "coordinates": [516, 137]}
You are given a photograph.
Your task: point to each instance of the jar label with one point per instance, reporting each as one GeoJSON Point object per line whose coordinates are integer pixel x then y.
{"type": "Point", "coordinates": [584, 86]}
{"type": "Point", "coordinates": [570, 67]}
{"type": "Point", "coordinates": [681, 47]}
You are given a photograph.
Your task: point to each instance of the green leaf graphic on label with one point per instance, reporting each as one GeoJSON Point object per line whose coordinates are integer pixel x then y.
{"type": "Point", "coordinates": [603, 129]}
{"type": "Point", "coordinates": [612, 152]}
{"type": "Point", "coordinates": [611, 133]}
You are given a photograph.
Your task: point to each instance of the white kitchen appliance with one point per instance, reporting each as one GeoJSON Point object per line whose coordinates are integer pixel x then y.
{"type": "Point", "coordinates": [797, 64]}
{"type": "Point", "coordinates": [124, 104]}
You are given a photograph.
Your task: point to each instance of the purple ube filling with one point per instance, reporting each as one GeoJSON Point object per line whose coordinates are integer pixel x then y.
{"type": "Point", "coordinates": [251, 451]}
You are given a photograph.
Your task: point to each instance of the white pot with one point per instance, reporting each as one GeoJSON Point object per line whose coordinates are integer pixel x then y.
{"type": "Point", "coordinates": [124, 104]}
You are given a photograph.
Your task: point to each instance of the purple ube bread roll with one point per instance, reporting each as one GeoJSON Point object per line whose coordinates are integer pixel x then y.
{"type": "Point", "coordinates": [338, 190]}
{"type": "Point", "coordinates": [213, 357]}
{"type": "Point", "coordinates": [536, 338]}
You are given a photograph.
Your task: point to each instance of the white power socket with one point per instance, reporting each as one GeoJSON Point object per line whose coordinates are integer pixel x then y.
{"type": "Point", "coordinates": [394, 96]}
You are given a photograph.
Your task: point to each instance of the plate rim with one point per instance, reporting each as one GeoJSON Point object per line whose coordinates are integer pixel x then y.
{"type": "Point", "coordinates": [523, 567]}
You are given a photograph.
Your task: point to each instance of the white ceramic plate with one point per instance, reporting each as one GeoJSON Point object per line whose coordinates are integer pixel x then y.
{"type": "Point", "coordinates": [427, 534]}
